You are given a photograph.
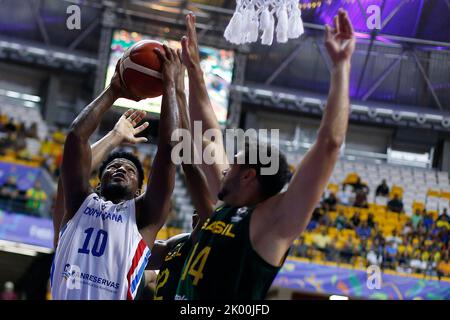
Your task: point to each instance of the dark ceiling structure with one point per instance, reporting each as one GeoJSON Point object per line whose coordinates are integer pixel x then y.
{"type": "Point", "coordinates": [404, 67]}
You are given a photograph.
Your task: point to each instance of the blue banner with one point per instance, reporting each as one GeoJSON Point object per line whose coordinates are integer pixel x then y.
{"type": "Point", "coordinates": [26, 229]}
{"type": "Point", "coordinates": [329, 280]}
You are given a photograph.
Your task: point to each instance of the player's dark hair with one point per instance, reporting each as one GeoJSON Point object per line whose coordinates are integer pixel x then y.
{"type": "Point", "coordinates": [270, 185]}
{"type": "Point", "coordinates": [124, 155]}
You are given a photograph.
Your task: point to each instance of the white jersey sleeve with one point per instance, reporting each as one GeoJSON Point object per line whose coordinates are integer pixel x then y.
{"type": "Point", "coordinates": [101, 254]}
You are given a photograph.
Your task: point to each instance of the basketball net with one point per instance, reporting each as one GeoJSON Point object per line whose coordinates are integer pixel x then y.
{"type": "Point", "coordinates": [253, 16]}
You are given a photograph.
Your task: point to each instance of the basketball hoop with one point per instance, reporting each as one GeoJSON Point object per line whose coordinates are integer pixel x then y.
{"type": "Point", "coordinates": [252, 16]}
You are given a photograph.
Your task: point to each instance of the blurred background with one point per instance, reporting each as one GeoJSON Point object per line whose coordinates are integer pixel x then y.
{"type": "Point", "coordinates": [387, 201]}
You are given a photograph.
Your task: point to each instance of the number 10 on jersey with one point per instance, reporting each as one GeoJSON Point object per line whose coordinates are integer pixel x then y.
{"type": "Point", "coordinates": [98, 249]}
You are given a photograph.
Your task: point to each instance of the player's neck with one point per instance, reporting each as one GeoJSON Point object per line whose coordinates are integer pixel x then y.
{"type": "Point", "coordinates": [116, 199]}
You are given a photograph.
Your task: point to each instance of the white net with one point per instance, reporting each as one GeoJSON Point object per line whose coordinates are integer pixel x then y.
{"type": "Point", "coordinates": [253, 17]}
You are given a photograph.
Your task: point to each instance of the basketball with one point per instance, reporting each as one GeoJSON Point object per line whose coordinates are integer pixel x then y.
{"type": "Point", "coordinates": [140, 69]}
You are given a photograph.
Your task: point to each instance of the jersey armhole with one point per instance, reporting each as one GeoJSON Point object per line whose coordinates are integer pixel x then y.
{"type": "Point", "coordinates": [85, 202]}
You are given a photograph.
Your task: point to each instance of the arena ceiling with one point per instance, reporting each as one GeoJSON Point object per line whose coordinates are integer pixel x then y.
{"type": "Point", "coordinates": [405, 64]}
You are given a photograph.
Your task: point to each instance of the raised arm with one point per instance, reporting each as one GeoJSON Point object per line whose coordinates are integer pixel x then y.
{"type": "Point", "coordinates": [287, 215]}
{"type": "Point", "coordinates": [154, 205]}
{"type": "Point", "coordinates": [77, 157]}
{"type": "Point", "coordinates": [196, 182]}
{"type": "Point", "coordinates": [200, 108]}
{"type": "Point", "coordinates": [123, 132]}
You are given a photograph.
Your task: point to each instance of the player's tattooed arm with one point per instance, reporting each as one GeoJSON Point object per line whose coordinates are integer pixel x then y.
{"type": "Point", "coordinates": [295, 206]}
{"type": "Point", "coordinates": [124, 131]}
{"type": "Point", "coordinates": [153, 206]}
{"type": "Point", "coordinates": [200, 108]}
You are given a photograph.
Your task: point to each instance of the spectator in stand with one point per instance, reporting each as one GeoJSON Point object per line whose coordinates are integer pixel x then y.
{"type": "Point", "coordinates": [382, 189]}
{"type": "Point", "coordinates": [321, 240]}
{"type": "Point", "coordinates": [394, 238]}
{"type": "Point", "coordinates": [35, 198]}
{"type": "Point", "coordinates": [32, 131]}
{"type": "Point", "coordinates": [428, 221]}
{"type": "Point", "coordinates": [358, 185]}
{"type": "Point", "coordinates": [363, 231]}
{"type": "Point", "coordinates": [300, 248]}
{"type": "Point", "coordinates": [361, 199]}
{"type": "Point", "coordinates": [355, 220]}
{"type": "Point", "coordinates": [344, 195]}
{"type": "Point", "coordinates": [395, 204]}
{"type": "Point", "coordinates": [373, 258]}
{"type": "Point", "coordinates": [331, 253]}
{"type": "Point", "coordinates": [416, 218]}
{"type": "Point", "coordinates": [443, 268]}
{"type": "Point", "coordinates": [312, 225]}
{"type": "Point", "coordinates": [443, 221]}
{"type": "Point", "coordinates": [9, 190]}
{"type": "Point", "coordinates": [370, 220]}
{"type": "Point", "coordinates": [348, 251]}
{"type": "Point", "coordinates": [341, 221]}
{"type": "Point", "coordinates": [402, 262]}
{"type": "Point", "coordinates": [331, 201]}
{"type": "Point", "coordinates": [8, 292]}
{"type": "Point", "coordinates": [390, 255]}
{"type": "Point", "coordinates": [407, 228]}
{"type": "Point", "coordinates": [416, 263]}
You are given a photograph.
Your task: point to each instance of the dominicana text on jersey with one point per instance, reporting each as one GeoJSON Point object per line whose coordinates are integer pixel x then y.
{"type": "Point", "coordinates": [101, 254]}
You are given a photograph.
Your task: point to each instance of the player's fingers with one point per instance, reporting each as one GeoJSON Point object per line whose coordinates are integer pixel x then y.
{"type": "Point", "coordinates": [179, 55]}
{"type": "Point", "coordinates": [336, 24]}
{"type": "Point", "coordinates": [128, 113]}
{"type": "Point", "coordinates": [190, 24]}
{"type": "Point", "coordinates": [184, 45]}
{"type": "Point", "coordinates": [140, 140]}
{"type": "Point", "coordinates": [327, 33]}
{"type": "Point", "coordinates": [341, 17]}
{"type": "Point", "coordinates": [168, 52]}
{"type": "Point", "coordinates": [133, 117]}
{"type": "Point", "coordinates": [348, 24]}
{"type": "Point", "coordinates": [160, 55]}
{"type": "Point", "coordinates": [141, 128]}
{"type": "Point", "coordinates": [139, 117]}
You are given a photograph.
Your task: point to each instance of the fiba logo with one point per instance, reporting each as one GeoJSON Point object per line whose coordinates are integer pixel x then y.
{"type": "Point", "coordinates": [374, 17]}
{"type": "Point", "coordinates": [71, 274]}
{"type": "Point", "coordinates": [373, 277]}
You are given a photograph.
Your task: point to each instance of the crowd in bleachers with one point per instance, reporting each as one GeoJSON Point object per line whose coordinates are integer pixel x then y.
{"type": "Point", "coordinates": [348, 229]}
{"type": "Point", "coordinates": [357, 223]}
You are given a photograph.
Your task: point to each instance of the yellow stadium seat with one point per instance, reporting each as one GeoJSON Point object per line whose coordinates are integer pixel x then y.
{"type": "Point", "coordinates": [162, 234]}
{"type": "Point", "coordinates": [418, 205]}
{"type": "Point", "coordinates": [333, 215]}
{"type": "Point", "coordinates": [396, 190]}
{"type": "Point", "coordinates": [434, 214]}
{"type": "Point", "coordinates": [445, 194]}
{"type": "Point", "coordinates": [333, 232]}
{"type": "Point", "coordinates": [352, 177]}
{"type": "Point", "coordinates": [434, 193]}
{"type": "Point", "coordinates": [333, 188]}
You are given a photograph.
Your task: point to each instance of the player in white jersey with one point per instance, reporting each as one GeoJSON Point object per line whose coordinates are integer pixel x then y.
{"type": "Point", "coordinates": [106, 237]}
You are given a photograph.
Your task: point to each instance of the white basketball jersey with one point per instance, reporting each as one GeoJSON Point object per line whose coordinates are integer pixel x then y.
{"type": "Point", "coordinates": [101, 254]}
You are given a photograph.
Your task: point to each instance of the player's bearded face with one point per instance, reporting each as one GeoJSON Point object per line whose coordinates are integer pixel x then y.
{"type": "Point", "coordinates": [230, 183]}
{"type": "Point", "coordinates": [119, 180]}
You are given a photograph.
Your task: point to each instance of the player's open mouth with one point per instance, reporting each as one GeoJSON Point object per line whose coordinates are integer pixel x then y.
{"type": "Point", "coordinates": [118, 176]}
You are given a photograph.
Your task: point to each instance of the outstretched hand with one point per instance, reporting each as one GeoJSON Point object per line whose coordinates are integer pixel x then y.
{"type": "Point", "coordinates": [189, 43]}
{"type": "Point", "coordinates": [126, 127]}
{"type": "Point", "coordinates": [171, 64]}
{"type": "Point", "coordinates": [340, 41]}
